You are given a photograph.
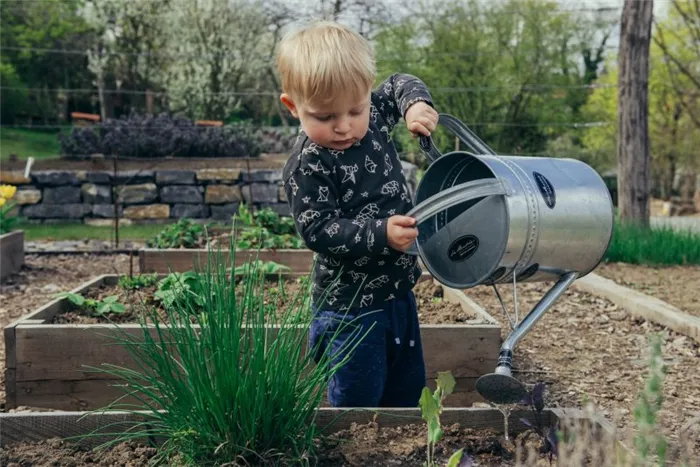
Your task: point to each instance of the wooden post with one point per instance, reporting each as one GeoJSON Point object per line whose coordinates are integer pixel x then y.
{"type": "Point", "coordinates": [632, 114]}
{"type": "Point", "coordinates": [149, 101]}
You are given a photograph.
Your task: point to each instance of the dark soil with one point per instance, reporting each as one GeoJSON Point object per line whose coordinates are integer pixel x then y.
{"type": "Point", "coordinates": [55, 452]}
{"type": "Point", "coordinates": [361, 445]}
{"type": "Point", "coordinates": [432, 307]}
{"type": "Point", "coordinates": [369, 446]}
{"type": "Point", "coordinates": [140, 300]}
{"type": "Point", "coordinates": [675, 285]}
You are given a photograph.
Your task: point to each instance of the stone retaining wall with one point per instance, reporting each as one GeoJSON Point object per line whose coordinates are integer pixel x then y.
{"type": "Point", "coordinates": [149, 196]}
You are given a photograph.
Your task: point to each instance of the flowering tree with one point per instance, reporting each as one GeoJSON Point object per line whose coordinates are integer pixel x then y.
{"type": "Point", "coordinates": [226, 44]}
{"type": "Point", "coordinates": [127, 53]}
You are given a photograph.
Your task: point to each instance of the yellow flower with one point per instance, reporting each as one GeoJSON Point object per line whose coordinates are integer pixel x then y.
{"type": "Point", "coordinates": [7, 191]}
{"type": "Point", "coordinates": [2, 201]}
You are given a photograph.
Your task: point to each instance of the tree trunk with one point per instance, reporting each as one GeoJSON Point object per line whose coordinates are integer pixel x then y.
{"type": "Point", "coordinates": [632, 114]}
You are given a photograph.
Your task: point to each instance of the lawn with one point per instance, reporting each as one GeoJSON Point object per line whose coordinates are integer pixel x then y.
{"type": "Point", "coordinates": [28, 143]}
{"type": "Point", "coordinates": [84, 231]}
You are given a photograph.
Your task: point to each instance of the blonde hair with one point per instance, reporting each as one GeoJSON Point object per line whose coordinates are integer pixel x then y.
{"type": "Point", "coordinates": [324, 58]}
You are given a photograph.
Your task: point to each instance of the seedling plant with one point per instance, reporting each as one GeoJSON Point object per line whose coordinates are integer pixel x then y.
{"type": "Point", "coordinates": [138, 282]}
{"type": "Point", "coordinates": [431, 405]}
{"type": "Point", "coordinates": [548, 434]}
{"type": "Point", "coordinates": [96, 307]}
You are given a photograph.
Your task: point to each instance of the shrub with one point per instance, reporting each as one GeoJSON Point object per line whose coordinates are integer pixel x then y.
{"type": "Point", "coordinates": [277, 140]}
{"type": "Point", "coordinates": [148, 136]}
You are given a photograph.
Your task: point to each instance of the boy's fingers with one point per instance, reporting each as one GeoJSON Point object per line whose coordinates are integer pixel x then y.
{"type": "Point", "coordinates": [417, 127]}
{"type": "Point", "coordinates": [404, 221]}
{"type": "Point", "coordinates": [428, 122]}
{"type": "Point", "coordinates": [409, 234]}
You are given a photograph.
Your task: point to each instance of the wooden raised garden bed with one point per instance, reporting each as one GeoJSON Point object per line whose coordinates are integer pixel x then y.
{"type": "Point", "coordinates": [47, 363]}
{"type": "Point", "coordinates": [354, 437]}
{"type": "Point", "coordinates": [164, 261]}
{"type": "Point", "coordinates": [11, 253]}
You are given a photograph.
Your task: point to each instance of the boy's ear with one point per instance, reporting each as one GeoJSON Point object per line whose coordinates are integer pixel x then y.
{"type": "Point", "coordinates": [289, 103]}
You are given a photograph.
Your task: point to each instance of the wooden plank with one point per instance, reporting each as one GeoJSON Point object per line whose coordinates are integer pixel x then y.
{"type": "Point", "coordinates": [10, 346]}
{"type": "Point", "coordinates": [467, 351]}
{"type": "Point", "coordinates": [33, 427]}
{"type": "Point", "coordinates": [181, 260]}
{"type": "Point", "coordinates": [642, 305]}
{"type": "Point", "coordinates": [38, 426]}
{"type": "Point", "coordinates": [93, 394]}
{"type": "Point", "coordinates": [10, 388]}
{"type": "Point", "coordinates": [86, 394]}
{"type": "Point", "coordinates": [11, 253]}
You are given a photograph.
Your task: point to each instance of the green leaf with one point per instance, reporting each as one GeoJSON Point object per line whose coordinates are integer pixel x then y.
{"type": "Point", "coordinates": [102, 308]}
{"type": "Point", "coordinates": [77, 299]}
{"type": "Point", "coordinates": [434, 430]}
{"type": "Point", "coordinates": [118, 308]}
{"type": "Point", "coordinates": [455, 458]}
{"type": "Point", "coordinates": [446, 382]}
{"type": "Point", "coordinates": [111, 299]}
{"type": "Point", "coordinates": [429, 409]}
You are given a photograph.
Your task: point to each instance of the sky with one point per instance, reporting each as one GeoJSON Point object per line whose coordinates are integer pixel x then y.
{"type": "Point", "coordinates": [660, 8]}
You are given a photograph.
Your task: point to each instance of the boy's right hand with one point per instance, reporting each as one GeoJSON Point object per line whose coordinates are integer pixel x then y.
{"type": "Point", "coordinates": [401, 232]}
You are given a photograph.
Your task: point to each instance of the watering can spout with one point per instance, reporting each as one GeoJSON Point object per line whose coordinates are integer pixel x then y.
{"type": "Point", "coordinates": [500, 387]}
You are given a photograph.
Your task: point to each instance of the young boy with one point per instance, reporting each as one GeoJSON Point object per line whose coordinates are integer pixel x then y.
{"type": "Point", "coordinates": [348, 195]}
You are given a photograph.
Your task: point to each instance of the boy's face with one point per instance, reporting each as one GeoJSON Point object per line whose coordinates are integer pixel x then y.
{"type": "Point", "coordinates": [335, 125]}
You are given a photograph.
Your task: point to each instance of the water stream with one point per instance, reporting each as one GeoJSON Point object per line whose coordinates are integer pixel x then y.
{"type": "Point", "coordinates": [505, 409]}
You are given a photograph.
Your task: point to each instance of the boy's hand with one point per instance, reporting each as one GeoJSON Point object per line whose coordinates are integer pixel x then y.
{"type": "Point", "coordinates": [401, 232]}
{"type": "Point", "coordinates": [421, 119]}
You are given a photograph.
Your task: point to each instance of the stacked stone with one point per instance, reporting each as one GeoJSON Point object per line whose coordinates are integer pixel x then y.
{"type": "Point", "coordinates": [215, 194]}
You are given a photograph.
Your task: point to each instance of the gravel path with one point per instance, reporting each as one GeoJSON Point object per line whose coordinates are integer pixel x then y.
{"type": "Point", "coordinates": [676, 285]}
{"type": "Point", "coordinates": [587, 349]}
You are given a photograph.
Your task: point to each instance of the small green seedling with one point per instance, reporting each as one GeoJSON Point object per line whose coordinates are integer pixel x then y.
{"type": "Point", "coordinates": [96, 307]}
{"type": "Point", "coordinates": [261, 267]}
{"type": "Point", "coordinates": [138, 282]}
{"type": "Point", "coordinates": [181, 287]}
{"type": "Point", "coordinates": [431, 408]}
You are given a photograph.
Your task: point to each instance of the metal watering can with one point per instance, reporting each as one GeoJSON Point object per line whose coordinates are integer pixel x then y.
{"type": "Point", "coordinates": [485, 219]}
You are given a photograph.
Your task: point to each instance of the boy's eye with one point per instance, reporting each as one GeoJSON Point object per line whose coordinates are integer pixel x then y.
{"type": "Point", "coordinates": [323, 118]}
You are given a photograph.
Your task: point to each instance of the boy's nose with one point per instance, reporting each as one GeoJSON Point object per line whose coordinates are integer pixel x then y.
{"type": "Point", "coordinates": [343, 126]}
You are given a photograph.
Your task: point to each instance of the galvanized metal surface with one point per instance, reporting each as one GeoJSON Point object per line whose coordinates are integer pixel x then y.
{"type": "Point", "coordinates": [485, 218]}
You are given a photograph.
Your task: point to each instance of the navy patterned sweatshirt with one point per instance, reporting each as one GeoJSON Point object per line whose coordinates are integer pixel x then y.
{"type": "Point", "coordinates": [341, 201]}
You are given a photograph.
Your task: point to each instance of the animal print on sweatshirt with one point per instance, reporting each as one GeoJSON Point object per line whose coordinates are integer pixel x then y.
{"type": "Point", "coordinates": [341, 201]}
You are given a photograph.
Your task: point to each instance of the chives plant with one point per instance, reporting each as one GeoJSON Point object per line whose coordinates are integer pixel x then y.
{"type": "Point", "coordinates": [653, 246]}
{"type": "Point", "coordinates": [218, 385]}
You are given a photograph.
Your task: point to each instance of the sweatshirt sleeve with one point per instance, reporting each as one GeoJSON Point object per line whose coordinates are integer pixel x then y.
{"type": "Point", "coordinates": [314, 203]}
{"type": "Point", "coordinates": [396, 94]}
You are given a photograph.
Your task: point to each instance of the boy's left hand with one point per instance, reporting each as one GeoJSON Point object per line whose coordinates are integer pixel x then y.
{"type": "Point", "coordinates": [421, 119]}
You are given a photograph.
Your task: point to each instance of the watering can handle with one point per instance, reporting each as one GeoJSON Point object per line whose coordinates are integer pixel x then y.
{"type": "Point", "coordinates": [462, 132]}
{"type": "Point", "coordinates": [456, 195]}
{"type": "Point", "coordinates": [453, 196]}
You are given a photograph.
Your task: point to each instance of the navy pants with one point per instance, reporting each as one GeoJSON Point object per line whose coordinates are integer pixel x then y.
{"type": "Point", "coordinates": [386, 368]}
